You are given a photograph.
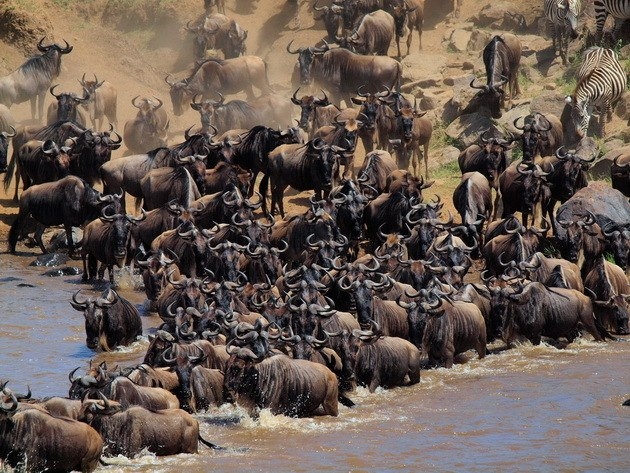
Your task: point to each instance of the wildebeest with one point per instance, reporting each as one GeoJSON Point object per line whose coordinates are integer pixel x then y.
{"type": "Point", "coordinates": [536, 310]}
{"type": "Point", "coordinates": [129, 431]}
{"type": "Point", "coordinates": [522, 187]}
{"type": "Point", "coordinates": [610, 292]}
{"type": "Point", "coordinates": [342, 72]}
{"type": "Point", "coordinates": [472, 199]}
{"type": "Point", "coordinates": [34, 440]}
{"type": "Point", "coordinates": [227, 76]}
{"type": "Point", "coordinates": [502, 57]}
{"type": "Point", "coordinates": [313, 165]}
{"type": "Point", "coordinates": [411, 132]}
{"type": "Point", "coordinates": [488, 157]}
{"type": "Point", "coordinates": [148, 130]}
{"type": "Point", "coordinates": [105, 240]}
{"type": "Point", "coordinates": [542, 135]}
{"type": "Point", "coordinates": [309, 107]}
{"type": "Point", "coordinates": [282, 384]}
{"type": "Point", "coordinates": [375, 169]}
{"type": "Point", "coordinates": [373, 34]}
{"type": "Point", "coordinates": [385, 361]}
{"type": "Point", "coordinates": [408, 15]}
{"type": "Point", "coordinates": [110, 320]}
{"type": "Point", "coordinates": [33, 78]}
{"type": "Point", "coordinates": [40, 162]}
{"type": "Point", "coordinates": [66, 108]}
{"type": "Point", "coordinates": [183, 184]}
{"type": "Point", "coordinates": [452, 328]}
{"type": "Point", "coordinates": [229, 38]}
{"type": "Point", "coordinates": [103, 101]}
{"type": "Point", "coordinates": [90, 150]}
{"type": "Point", "coordinates": [69, 202]}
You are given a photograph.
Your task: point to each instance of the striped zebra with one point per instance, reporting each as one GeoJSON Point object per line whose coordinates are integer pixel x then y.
{"type": "Point", "coordinates": [563, 17]}
{"type": "Point", "coordinates": [618, 9]}
{"type": "Point", "coordinates": [601, 83]}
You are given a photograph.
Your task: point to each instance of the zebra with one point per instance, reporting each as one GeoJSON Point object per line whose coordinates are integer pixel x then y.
{"type": "Point", "coordinates": [563, 16]}
{"type": "Point", "coordinates": [618, 9]}
{"type": "Point", "coordinates": [601, 83]}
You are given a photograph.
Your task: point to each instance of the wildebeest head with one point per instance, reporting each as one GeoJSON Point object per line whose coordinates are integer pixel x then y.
{"type": "Point", "coordinates": [568, 175]}
{"type": "Point", "coordinates": [618, 241]}
{"type": "Point", "coordinates": [120, 227]}
{"type": "Point", "coordinates": [236, 40]}
{"type": "Point", "coordinates": [158, 343]}
{"type": "Point", "coordinates": [54, 51]}
{"type": "Point", "coordinates": [364, 292]}
{"type": "Point", "coordinates": [400, 12]}
{"type": "Point", "coordinates": [68, 102]}
{"type": "Point", "coordinates": [535, 134]}
{"type": "Point", "coordinates": [575, 231]}
{"type": "Point", "coordinates": [4, 146]}
{"type": "Point", "coordinates": [533, 178]}
{"type": "Point", "coordinates": [488, 97]}
{"type": "Point", "coordinates": [333, 18]}
{"type": "Point", "coordinates": [306, 57]}
{"type": "Point", "coordinates": [308, 104]}
{"type": "Point", "coordinates": [182, 363]}
{"type": "Point", "coordinates": [326, 161]}
{"type": "Point", "coordinates": [155, 270]}
{"type": "Point", "coordinates": [369, 106]}
{"type": "Point", "coordinates": [417, 313]}
{"type": "Point", "coordinates": [617, 309]}
{"type": "Point", "coordinates": [57, 157]}
{"type": "Point", "coordinates": [95, 310]}
{"type": "Point", "coordinates": [179, 95]}
{"type": "Point", "coordinates": [350, 203]}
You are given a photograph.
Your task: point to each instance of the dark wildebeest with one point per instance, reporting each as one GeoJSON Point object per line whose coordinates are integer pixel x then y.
{"type": "Point", "coordinates": [515, 244]}
{"type": "Point", "coordinates": [610, 293]}
{"type": "Point", "coordinates": [619, 173]}
{"type": "Point", "coordinates": [33, 78]}
{"type": "Point", "coordinates": [472, 199]}
{"type": "Point", "coordinates": [502, 57]}
{"type": "Point", "coordinates": [376, 167]}
{"type": "Point", "coordinates": [227, 76]}
{"type": "Point", "coordinates": [90, 151]}
{"type": "Point", "coordinates": [384, 361]}
{"type": "Point", "coordinates": [66, 107]}
{"type": "Point", "coordinates": [106, 240]}
{"type": "Point", "coordinates": [412, 131]}
{"type": "Point", "coordinates": [184, 183]}
{"type": "Point", "coordinates": [110, 320]}
{"type": "Point", "coordinates": [40, 162]}
{"type": "Point", "coordinates": [313, 165]}
{"type": "Point", "coordinates": [342, 72]}
{"type": "Point", "coordinates": [126, 173]}
{"type": "Point", "coordinates": [135, 429]}
{"type": "Point", "coordinates": [284, 385]}
{"type": "Point", "coordinates": [310, 107]}
{"type": "Point", "coordinates": [535, 310]}
{"type": "Point", "coordinates": [373, 34]}
{"type": "Point", "coordinates": [229, 38]}
{"type": "Point", "coordinates": [542, 135]}
{"type": "Point", "coordinates": [342, 134]}
{"type": "Point", "coordinates": [333, 18]}
{"type": "Point", "coordinates": [69, 202]}
{"type": "Point", "coordinates": [567, 174]}
{"type": "Point", "coordinates": [34, 440]}
{"type": "Point", "coordinates": [149, 129]}
{"type": "Point", "coordinates": [122, 390]}
{"type": "Point", "coordinates": [522, 187]}
{"type": "Point", "coordinates": [408, 15]}
{"type": "Point", "coordinates": [103, 102]}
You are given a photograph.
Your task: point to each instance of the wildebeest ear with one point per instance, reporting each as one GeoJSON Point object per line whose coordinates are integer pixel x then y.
{"type": "Point", "coordinates": [356, 101]}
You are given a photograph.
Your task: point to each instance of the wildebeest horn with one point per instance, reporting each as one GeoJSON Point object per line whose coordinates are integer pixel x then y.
{"type": "Point", "coordinates": [166, 357]}
{"type": "Point", "coordinates": [168, 81]}
{"type": "Point", "coordinates": [622, 166]}
{"type": "Point", "coordinates": [71, 375]}
{"type": "Point", "coordinates": [133, 101]}
{"type": "Point", "coordinates": [316, 8]}
{"type": "Point", "coordinates": [516, 126]}
{"type": "Point", "coordinates": [53, 93]}
{"type": "Point", "coordinates": [294, 98]}
{"type": "Point", "coordinates": [7, 135]}
{"type": "Point", "coordinates": [41, 46]}
{"type": "Point", "coordinates": [67, 49]}
{"type": "Point", "coordinates": [160, 103]}
{"type": "Point", "coordinates": [289, 48]}
{"type": "Point", "coordinates": [562, 154]}
{"type": "Point", "coordinates": [9, 407]}
{"type": "Point", "coordinates": [483, 87]}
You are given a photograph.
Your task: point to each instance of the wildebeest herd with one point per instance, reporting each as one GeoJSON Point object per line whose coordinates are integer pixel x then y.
{"type": "Point", "coordinates": [369, 284]}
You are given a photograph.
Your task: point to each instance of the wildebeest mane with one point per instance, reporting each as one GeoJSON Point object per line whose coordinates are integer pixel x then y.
{"type": "Point", "coordinates": [44, 67]}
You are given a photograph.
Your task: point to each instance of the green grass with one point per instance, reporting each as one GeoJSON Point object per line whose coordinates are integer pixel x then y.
{"type": "Point", "coordinates": [447, 171]}
{"type": "Point", "coordinates": [567, 86]}
{"type": "Point", "coordinates": [439, 138]}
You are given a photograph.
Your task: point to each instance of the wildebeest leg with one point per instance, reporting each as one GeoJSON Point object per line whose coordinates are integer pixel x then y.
{"type": "Point", "coordinates": [414, 376]}
{"type": "Point", "coordinates": [398, 46]}
{"type": "Point", "coordinates": [38, 237]}
{"type": "Point", "coordinates": [252, 182]}
{"type": "Point", "coordinates": [448, 361]}
{"type": "Point", "coordinates": [85, 276]}
{"type": "Point", "coordinates": [375, 383]}
{"type": "Point", "coordinates": [426, 160]}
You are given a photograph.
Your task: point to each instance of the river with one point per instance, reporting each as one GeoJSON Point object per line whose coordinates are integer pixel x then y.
{"type": "Point", "coordinates": [526, 409]}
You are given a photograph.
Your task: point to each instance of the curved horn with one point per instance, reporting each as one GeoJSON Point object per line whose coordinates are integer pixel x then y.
{"type": "Point", "coordinates": [53, 93]}
{"type": "Point", "coordinates": [289, 48]}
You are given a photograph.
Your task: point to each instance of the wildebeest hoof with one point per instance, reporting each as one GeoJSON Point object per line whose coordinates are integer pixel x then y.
{"type": "Point", "coordinates": [626, 402]}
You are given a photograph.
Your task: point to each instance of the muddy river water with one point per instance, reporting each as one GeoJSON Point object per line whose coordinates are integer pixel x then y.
{"type": "Point", "coordinates": [525, 409]}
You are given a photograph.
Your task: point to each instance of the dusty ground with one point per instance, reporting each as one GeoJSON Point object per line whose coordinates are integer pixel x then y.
{"type": "Point", "coordinates": [135, 44]}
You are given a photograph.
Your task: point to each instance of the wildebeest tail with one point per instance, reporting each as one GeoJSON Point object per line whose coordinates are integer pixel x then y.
{"type": "Point", "coordinates": [210, 444]}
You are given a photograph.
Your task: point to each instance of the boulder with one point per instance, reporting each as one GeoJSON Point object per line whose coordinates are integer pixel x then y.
{"type": "Point", "coordinates": [423, 67]}
{"type": "Point", "coordinates": [478, 40]}
{"type": "Point", "coordinates": [548, 102]}
{"type": "Point", "coordinates": [459, 40]}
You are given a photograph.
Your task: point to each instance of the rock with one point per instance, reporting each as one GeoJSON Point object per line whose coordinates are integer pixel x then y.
{"type": "Point", "coordinates": [58, 239]}
{"type": "Point", "coordinates": [450, 154]}
{"type": "Point", "coordinates": [425, 67]}
{"type": "Point", "coordinates": [468, 66]}
{"type": "Point", "coordinates": [490, 16]}
{"type": "Point", "coordinates": [65, 271]}
{"type": "Point", "coordinates": [50, 260]}
{"type": "Point", "coordinates": [459, 40]}
{"type": "Point", "coordinates": [509, 16]}
{"type": "Point", "coordinates": [467, 128]}
{"type": "Point", "coordinates": [622, 110]}
{"type": "Point", "coordinates": [478, 40]}
{"type": "Point", "coordinates": [429, 102]}
{"type": "Point", "coordinates": [508, 117]}
{"type": "Point", "coordinates": [548, 102]}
